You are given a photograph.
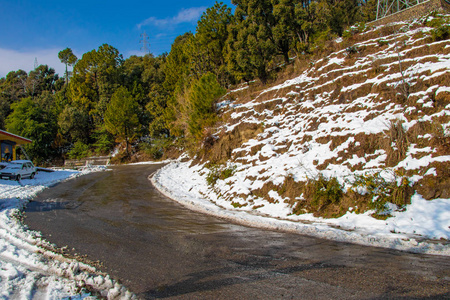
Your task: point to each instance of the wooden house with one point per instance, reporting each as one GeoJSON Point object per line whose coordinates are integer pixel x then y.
{"type": "Point", "coordinates": [8, 144]}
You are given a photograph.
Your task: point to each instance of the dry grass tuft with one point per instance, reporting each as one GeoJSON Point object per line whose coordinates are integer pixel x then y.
{"type": "Point", "coordinates": [220, 150]}
{"type": "Point", "coordinates": [396, 143]}
{"type": "Point", "coordinates": [435, 186]}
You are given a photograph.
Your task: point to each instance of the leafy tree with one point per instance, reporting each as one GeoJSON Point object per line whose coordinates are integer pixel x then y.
{"type": "Point", "coordinates": [30, 119]}
{"type": "Point", "coordinates": [158, 111]}
{"type": "Point", "coordinates": [144, 77]}
{"type": "Point", "coordinates": [69, 59]}
{"type": "Point", "coordinates": [95, 78]}
{"type": "Point", "coordinates": [343, 13]}
{"type": "Point", "coordinates": [74, 124]}
{"type": "Point", "coordinates": [41, 79]}
{"type": "Point", "coordinates": [121, 118]}
{"type": "Point", "coordinates": [14, 87]}
{"type": "Point", "coordinates": [4, 112]}
{"type": "Point", "coordinates": [282, 29]}
{"type": "Point", "coordinates": [369, 10]}
{"type": "Point", "coordinates": [177, 66]}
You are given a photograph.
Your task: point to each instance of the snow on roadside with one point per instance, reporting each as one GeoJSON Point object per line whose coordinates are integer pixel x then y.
{"type": "Point", "coordinates": [410, 230]}
{"type": "Point", "coordinates": [333, 120]}
{"type": "Point", "coordinates": [27, 269]}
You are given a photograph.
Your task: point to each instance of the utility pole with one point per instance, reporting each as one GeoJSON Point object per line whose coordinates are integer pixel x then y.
{"type": "Point", "coordinates": [145, 43]}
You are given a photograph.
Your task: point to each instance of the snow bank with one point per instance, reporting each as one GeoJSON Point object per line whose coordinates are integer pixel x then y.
{"type": "Point", "coordinates": [335, 120]}
{"type": "Point", "coordinates": [408, 231]}
{"type": "Point", "coordinates": [27, 269]}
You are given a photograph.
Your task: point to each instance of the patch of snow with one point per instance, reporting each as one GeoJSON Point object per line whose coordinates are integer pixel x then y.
{"type": "Point", "coordinates": [27, 269]}
{"type": "Point", "coordinates": [404, 231]}
{"type": "Point", "coordinates": [315, 133]}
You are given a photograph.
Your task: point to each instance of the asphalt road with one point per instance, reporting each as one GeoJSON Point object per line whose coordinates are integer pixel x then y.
{"type": "Point", "coordinates": [158, 249]}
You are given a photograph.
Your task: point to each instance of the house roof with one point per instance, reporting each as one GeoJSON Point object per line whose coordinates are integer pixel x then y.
{"type": "Point", "coordinates": [14, 138]}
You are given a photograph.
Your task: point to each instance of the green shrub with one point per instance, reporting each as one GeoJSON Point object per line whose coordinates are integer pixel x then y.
{"type": "Point", "coordinates": [323, 191]}
{"type": "Point", "coordinates": [226, 173]}
{"type": "Point", "coordinates": [382, 191]}
{"type": "Point", "coordinates": [441, 33]}
{"type": "Point", "coordinates": [212, 176]}
{"type": "Point", "coordinates": [155, 147]}
{"type": "Point", "coordinates": [79, 150]}
{"type": "Point", "coordinates": [441, 27]}
{"type": "Point", "coordinates": [216, 173]}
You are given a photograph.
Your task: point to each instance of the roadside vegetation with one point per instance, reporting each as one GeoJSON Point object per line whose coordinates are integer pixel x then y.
{"type": "Point", "coordinates": [217, 93]}
{"type": "Point", "coordinates": [71, 116]}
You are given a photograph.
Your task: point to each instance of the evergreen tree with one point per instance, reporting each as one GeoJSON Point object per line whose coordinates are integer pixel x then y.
{"type": "Point", "coordinates": [121, 119]}
{"type": "Point", "coordinates": [96, 76]}
{"type": "Point", "coordinates": [74, 124]}
{"type": "Point", "coordinates": [369, 10]}
{"type": "Point", "coordinates": [144, 78]}
{"type": "Point", "coordinates": [251, 45]}
{"type": "Point", "coordinates": [210, 41]}
{"type": "Point", "coordinates": [202, 98]}
{"type": "Point", "coordinates": [67, 58]}
{"type": "Point", "coordinates": [178, 77]}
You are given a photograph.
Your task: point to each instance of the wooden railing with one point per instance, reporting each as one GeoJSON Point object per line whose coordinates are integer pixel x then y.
{"type": "Point", "coordinates": [90, 161]}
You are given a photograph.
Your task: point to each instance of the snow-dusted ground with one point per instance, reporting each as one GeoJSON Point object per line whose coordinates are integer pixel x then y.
{"type": "Point", "coordinates": [410, 230]}
{"type": "Point", "coordinates": [333, 120]}
{"type": "Point", "coordinates": [291, 143]}
{"type": "Point", "coordinates": [27, 269]}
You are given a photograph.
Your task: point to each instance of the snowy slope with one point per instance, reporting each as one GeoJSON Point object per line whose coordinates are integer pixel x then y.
{"type": "Point", "coordinates": [336, 120]}
{"type": "Point", "coordinates": [27, 269]}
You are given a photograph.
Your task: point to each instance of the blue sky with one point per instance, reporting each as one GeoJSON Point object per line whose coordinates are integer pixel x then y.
{"type": "Point", "coordinates": [39, 29]}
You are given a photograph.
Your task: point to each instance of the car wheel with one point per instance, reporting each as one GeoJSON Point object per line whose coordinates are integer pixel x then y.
{"type": "Point", "coordinates": [18, 177]}
{"type": "Point", "coordinates": [32, 175]}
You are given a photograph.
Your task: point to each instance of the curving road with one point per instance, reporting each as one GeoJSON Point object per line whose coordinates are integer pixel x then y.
{"type": "Point", "coordinates": [158, 249]}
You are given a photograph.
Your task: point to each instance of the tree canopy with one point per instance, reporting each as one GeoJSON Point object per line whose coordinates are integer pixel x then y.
{"type": "Point", "coordinates": [68, 59]}
{"type": "Point", "coordinates": [111, 100]}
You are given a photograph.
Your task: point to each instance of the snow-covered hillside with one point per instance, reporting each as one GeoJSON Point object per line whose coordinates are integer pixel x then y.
{"type": "Point", "coordinates": [372, 119]}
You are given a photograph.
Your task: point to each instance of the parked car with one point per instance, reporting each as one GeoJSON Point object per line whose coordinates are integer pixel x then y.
{"type": "Point", "coordinates": [18, 169]}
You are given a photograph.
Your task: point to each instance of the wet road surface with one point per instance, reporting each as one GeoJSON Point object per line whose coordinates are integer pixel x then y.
{"type": "Point", "coordinates": [158, 249]}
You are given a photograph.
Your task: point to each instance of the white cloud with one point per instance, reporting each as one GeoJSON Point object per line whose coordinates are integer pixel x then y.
{"type": "Point", "coordinates": [13, 60]}
{"type": "Point", "coordinates": [184, 16]}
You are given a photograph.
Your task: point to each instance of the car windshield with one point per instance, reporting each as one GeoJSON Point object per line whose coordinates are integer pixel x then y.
{"type": "Point", "coordinates": [15, 166]}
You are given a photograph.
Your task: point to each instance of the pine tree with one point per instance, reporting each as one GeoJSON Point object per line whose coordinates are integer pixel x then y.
{"type": "Point", "coordinates": [202, 97]}
{"type": "Point", "coordinates": [121, 118]}
{"type": "Point", "coordinates": [69, 59]}
{"type": "Point", "coordinates": [210, 41]}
